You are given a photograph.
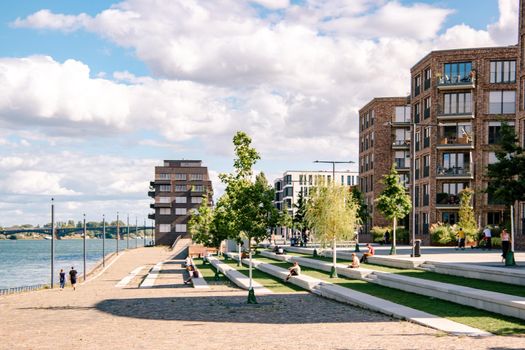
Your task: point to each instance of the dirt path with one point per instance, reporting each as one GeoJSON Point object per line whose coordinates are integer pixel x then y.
{"type": "Point", "coordinates": [101, 316]}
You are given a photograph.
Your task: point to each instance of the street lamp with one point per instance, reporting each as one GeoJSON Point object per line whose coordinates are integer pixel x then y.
{"type": "Point", "coordinates": [52, 242]}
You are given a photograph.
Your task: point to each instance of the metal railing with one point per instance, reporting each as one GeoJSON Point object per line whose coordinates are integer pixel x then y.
{"type": "Point", "coordinates": [453, 171]}
{"type": "Point", "coordinates": [23, 289]}
{"type": "Point", "coordinates": [456, 80]}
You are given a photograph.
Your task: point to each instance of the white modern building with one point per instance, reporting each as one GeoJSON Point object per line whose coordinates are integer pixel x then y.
{"type": "Point", "coordinates": [293, 182]}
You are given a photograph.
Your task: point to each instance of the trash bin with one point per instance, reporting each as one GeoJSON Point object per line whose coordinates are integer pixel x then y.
{"type": "Point", "coordinates": [417, 248]}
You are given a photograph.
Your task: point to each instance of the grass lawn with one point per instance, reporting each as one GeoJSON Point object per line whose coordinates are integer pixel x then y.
{"type": "Point", "coordinates": [437, 277]}
{"type": "Point", "coordinates": [268, 281]}
{"type": "Point", "coordinates": [208, 272]}
{"type": "Point", "coordinates": [491, 322]}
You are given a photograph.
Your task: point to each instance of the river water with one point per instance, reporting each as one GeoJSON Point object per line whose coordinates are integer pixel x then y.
{"type": "Point", "coordinates": [28, 262]}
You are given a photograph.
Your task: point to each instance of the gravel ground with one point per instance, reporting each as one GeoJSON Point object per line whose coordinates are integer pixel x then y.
{"type": "Point", "coordinates": [100, 316]}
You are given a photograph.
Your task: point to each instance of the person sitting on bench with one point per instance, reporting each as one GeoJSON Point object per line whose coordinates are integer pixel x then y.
{"type": "Point", "coordinates": [295, 270]}
{"type": "Point", "coordinates": [371, 252]}
{"type": "Point", "coordinates": [355, 262]}
{"type": "Point", "coordinates": [192, 273]}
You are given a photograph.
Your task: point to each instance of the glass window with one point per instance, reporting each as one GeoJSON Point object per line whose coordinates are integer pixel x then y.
{"type": "Point", "coordinates": [180, 188]}
{"type": "Point", "coordinates": [181, 200]}
{"type": "Point", "coordinates": [164, 228]}
{"type": "Point", "coordinates": [196, 177]}
{"type": "Point", "coordinates": [196, 200]}
{"type": "Point", "coordinates": [402, 114]}
{"type": "Point", "coordinates": [180, 227]}
{"type": "Point", "coordinates": [165, 188]}
{"type": "Point", "coordinates": [458, 72]}
{"type": "Point", "coordinates": [502, 102]}
{"type": "Point", "coordinates": [450, 218]}
{"type": "Point", "coordinates": [503, 72]}
{"type": "Point", "coordinates": [180, 177]}
{"type": "Point", "coordinates": [460, 103]}
{"type": "Point", "coordinates": [164, 211]}
{"type": "Point", "coordinates": [198, 188]}
{"type": "Point", "coordinates": [181, 211]}
{"type": "Point", "coordinates": [164, 199]}
{"type": "Point", "coordinates": [164, 176]}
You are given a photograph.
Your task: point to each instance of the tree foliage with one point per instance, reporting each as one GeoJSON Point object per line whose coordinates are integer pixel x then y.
{"type": "Point", "coordinates": [359, 199]}
{"type": "Point", "coordinates": [467, 220]}
{"type": "Point", "coordinates": [199, 225]}
{"type": "Point", "coordinates": [299, 219]}
{"type": "Point", "coordinates": [507, 175]}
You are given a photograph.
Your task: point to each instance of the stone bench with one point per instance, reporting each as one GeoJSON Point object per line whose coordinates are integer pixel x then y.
{"type": "Point", "coordinates": [199, 282]}
{"type": "Point", "coordinates": [238, 278]}
{"type": "Point", "coordinates": [489, 273]}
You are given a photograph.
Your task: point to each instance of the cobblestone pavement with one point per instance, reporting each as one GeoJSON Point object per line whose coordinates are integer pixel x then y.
{"type": "Point", "coordinates": [100, 316]}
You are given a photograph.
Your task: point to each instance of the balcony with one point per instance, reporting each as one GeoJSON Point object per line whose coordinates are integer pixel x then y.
{"type": "Point", "coordinates": [152, 205]}
{"type": "Point", "coordinates": [401, 145]}
{"type": "Point", "coordinates": [454, 173]}
{"type": "Point", "coordinates": [402, 164]}
{"type": "Point", "coordinates": [151, 216]}
{"type": "Point", "coordinates": [448, 113]}
{"type": "Point", "coordinates": [160, 182]}
{"type": "Point", "coordinates": [457, 82]}
{"type": "Point", "coordinates": [453, 142]}
{"type": "Point", "coordinates": [447, 201]}
{"type": "Point", "coordinates": [151, 194]}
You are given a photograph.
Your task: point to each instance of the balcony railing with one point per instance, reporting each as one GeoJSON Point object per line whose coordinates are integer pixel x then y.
{"type": "Point", "coordinates": [401, 144]}
{"type": "Point", "coordinates": [455, 141]}
{"type": "Point", "coordinates": [457, 81]}
{"type": "Point", "coordinates": [401, 163]}
{"type": "Point", "coordinates": [443, 198]}
{"type": "Point", "coordinates": [461, 112]}
{"type": "Point", "coordinates": [454, 171]}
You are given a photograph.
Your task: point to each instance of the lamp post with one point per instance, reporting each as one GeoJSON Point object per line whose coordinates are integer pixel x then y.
{"type": "Point", "coordinates": [136, 230]}
{"type": "Point", "coordinates": [118, 229]}
{"type": "Point", "coordinates": [127, 238]}
{"type": "Point", "coordinates": [103, 240]}
{"type": "Point", "coordinates": [144, 234]}
{"type": "Point", "coordinates": [333, 273]}
{"type": "Point", "coordinates": [52, 243]}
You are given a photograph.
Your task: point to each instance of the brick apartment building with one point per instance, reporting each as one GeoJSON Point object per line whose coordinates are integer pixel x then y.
{"type": "Point", "coordinates": [459, 98]}
{"type": "Point", "coordinates": [180, 186]}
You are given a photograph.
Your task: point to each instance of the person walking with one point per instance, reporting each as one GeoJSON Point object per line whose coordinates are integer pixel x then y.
{"type": "Point", "coordinates": [73, 277]}
{"type": "Point", "coordinates": [505, 244]}
{"type": "Point", "coordinates": [62, 279]}
{"type": "Point", "coordinates": [387, 237]}
{"type": "Point", "coordinates": [487, 236]}
{"type": "Point", "coordinates": [461, 239]}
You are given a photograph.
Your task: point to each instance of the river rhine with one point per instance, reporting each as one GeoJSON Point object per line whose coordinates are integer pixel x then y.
{"type": "Point", "coordinates": [28, 262]}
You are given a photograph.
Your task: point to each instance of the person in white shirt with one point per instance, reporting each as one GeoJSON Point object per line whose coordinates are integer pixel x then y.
{"type": "Point", "coordinates": [295, 270]}
{"type": "Point", "coordinates": [487, 236]}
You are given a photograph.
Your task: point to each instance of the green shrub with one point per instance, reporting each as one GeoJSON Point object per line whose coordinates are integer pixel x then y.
{"type": "Point", "coordinates": [378, 233]}
{"type": "Point", "coordinates": [442, 233]}
{"type": "Point", "coordinates": [402, 235]}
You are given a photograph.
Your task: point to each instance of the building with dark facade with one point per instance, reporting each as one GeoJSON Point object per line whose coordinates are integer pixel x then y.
{"type": "Point", "coordinates": [180, 186]}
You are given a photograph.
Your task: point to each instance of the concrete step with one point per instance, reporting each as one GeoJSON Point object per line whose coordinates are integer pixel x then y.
{"type": "Point", "coordinates": [237, 277]}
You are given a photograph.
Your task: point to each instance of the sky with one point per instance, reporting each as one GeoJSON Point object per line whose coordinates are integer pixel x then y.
{"type": "Point", "coordinates": [94, 94]}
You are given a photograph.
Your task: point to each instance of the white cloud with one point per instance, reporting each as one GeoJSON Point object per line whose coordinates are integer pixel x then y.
{"type": "Point", "coordinates": [35, 182]}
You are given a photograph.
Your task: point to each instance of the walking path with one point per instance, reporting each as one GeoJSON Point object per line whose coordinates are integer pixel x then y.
{"type": "Point", "coordinates": [99, 316]}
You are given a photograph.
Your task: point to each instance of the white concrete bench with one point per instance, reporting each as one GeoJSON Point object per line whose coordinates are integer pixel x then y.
{"type": "Point", "coordinates": [237, 277]}
{"type": "Point", "coordinates": [488, 273]}
{"type": "Point", "coordinates": [199, 282]}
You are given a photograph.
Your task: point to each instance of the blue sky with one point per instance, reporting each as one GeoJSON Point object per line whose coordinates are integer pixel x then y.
{"type": "Point", "coordinates": [297, 75]}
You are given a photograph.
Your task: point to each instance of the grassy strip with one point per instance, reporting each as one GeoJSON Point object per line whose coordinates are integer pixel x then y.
{"type": "Point", "coordinates": [488, 321]}
{"type": "Point", "coordinates": [490, 286]}
{"type": "Point", "coordinates": [208, 273]}
{"type": "Point", "coordinates": [266, 280]}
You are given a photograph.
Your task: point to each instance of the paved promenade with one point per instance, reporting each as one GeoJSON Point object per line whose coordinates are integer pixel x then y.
{"type": "Point", "coordinates": [170, 315]}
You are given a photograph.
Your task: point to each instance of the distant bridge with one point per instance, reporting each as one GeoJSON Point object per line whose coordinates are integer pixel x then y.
{"type": "Point", "coordinates": [123, 230]}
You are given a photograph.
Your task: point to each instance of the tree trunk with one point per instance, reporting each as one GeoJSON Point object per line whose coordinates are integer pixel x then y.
{"type": "Point", "coordinates": [333, 274]}
{"type": "Point", "coordinates": [240, 254]}
{"type": "Point", "coordinates": [393, 248]}
{"type": "Point", "coordinates": [250, 255]}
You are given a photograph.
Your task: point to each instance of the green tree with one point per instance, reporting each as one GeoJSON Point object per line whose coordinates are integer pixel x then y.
{"type": "Point", "coordinates": [393, 202]}
{"type": "Point", "coordinates": [250, 203]}
{"type": "Point", "coordinates": [507, 175]}
{"type": "Point", "coordinates": [199, 224]}
{"type": "Point", "coordinates": [332, 214]}
{"type": "Point", "coordinates": [467, 220]}
{"type": "Point", "coordinates": [359, 199]}
{"type": "Point", "coordinates": [285, 219]}
{"type": "Point", "coordinates": [299, 218]}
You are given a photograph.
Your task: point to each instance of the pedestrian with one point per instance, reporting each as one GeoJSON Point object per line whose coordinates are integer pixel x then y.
{"type": "Point", "coordinates": [62, 280]}
{"type": "Point", "coordinates": [461, 239]}
{"type": "Point", "coordinates": [505, 244]}
{"type": "Point", "coordinates": [371, 251]}
{"type": "Point", "coordinates": [295, 270]}
{"type": "Point", "coordinates": [355, 262]}
{"type": "Point", "coordinates": [73, 277]}
{"type": "Point", "coordinates": [387, 237]}
{"type": "Point", "coordinates": [487, 237]}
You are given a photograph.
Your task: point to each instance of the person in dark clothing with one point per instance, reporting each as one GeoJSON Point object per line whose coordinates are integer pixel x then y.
{"type": "Point", "coordinates": [73, 277]}
{"type": "Point", "coordinates": [62, 275]}
{"type": "Point", "coordinates": [387, 237]}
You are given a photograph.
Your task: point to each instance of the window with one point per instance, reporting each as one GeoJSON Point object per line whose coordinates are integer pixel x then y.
{"type": "Point", "coordinates": [494, 218]}
{"type": "Point", "coordinates": [455, 73]}
{"type": "Point", "coordinates": [181, 211]}
{"type": "Point", "coordinates": [450, 193]}
{"type": "Point", "coordinates": [288, 179]}
{"type": "Point", "coordinates": [455, 164]}
{"type": "Point", "coordinates": [502, 102]}
{"type": "Point", "coordinates": [425, 224]}
{"type": "Point", "coordinates": [180, 227]}
{"type": "Point", "coordinates": [372, 117]}
{"type": "Point", "coordinates": [503, 72]}
{"type": "Point", "coordinates": [417, 85]}
{"type": "Point", "coordinates": [426, 194]}
{"type": "Point", "coordinates": [180, 188]}
{"type": "Point", "coordinates": [310, 180]}
{"type": "Point", "coordinates": [401, 159]}
{"type": "Point", "coordinates": [426, 165]}
{"type": "Point", "coordinates": [454, 188]}
{"type": "Point", "coordinates": [164, 176]}
{"type": "Point", "coordinates": [366, 142]}
{"type": "Point", "coordinates": [450, 218]}
{"type": "Point", "coordinates": [372, 139]}
{"type": "Point", "coordinates": [349, 180]}
{"type": "Point", "coordinates": [164, 199]}
{"type": "Point", "coordinates": [417, 166]}
{"type": "Point", "coordinates": [371, 182]}
{"type": "Point", "coordinates": [428, 77]}
{"type": "Point", "coordinates": [402, 114]}
{"type": "Point", "coordinates": [492, 158]}
{"type": "Point", "coordinates": [494, 132]}
{"type": "Point", "coordinates": [417, 112]}
{"type": "Point", "coordinates": [460, 133]}
{"type": "Point", "coordinates": [198, 188]}
{"type": "Point", "coordinates": [428, 103]}
{"type": "Point", "coordinates": [196, 177]}
{"type": "Point", "coordinates": [366, 163]}
{"type": "Point", "coordinates": [426, 137]}
{"type": "Point", "coordinates": [371, 161]}
{"type": "Point", "coordinates": [416, 198]}
{"type": "Point", "coordinates": [196, 200]}
{"type": "Point", "coordinates": [164, 228]}
{"type": "Point", "coordinates": [180, 177]}
{"type": "Point", "coordinates": [164, 211]}
{"type": "Point", "coordinates": [181, 200]}
{"type": "Point", "coordinates": [367, 119]}
{"type": "Point", "coordinates": [418, 141]}
{"type": "Point", "coordinates": [460, 103]}
{"type": "Point", "coordinates": [165, 188]}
